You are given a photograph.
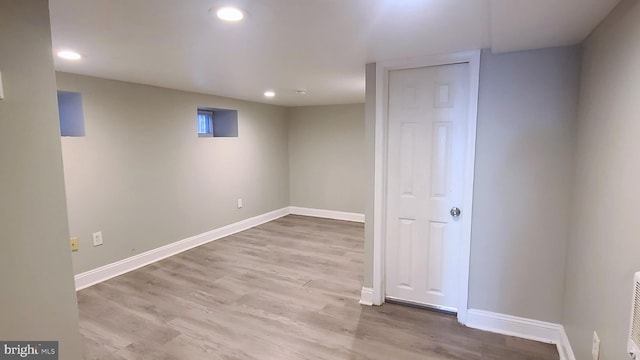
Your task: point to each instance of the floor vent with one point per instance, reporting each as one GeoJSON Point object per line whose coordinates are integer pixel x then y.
{"type": "Point", "coordinates": [633, 345]}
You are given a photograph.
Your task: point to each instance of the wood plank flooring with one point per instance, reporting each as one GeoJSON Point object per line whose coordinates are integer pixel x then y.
{"type": "Point", "coordinates": [288, 289]}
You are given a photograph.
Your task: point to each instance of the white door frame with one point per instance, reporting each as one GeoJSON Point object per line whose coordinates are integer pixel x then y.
{"type": "Point", "coordinates": [380, 172]}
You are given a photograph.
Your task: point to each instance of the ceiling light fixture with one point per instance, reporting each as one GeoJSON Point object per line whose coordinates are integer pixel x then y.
{"type": "Point", "coordinates": [69, 55]}
{"type": "Point", "coordinates": [229, 13]}
{"type": "Point", "coordinates": [301, 91]}
{"type": "Point", "coordinates": [269, 94]}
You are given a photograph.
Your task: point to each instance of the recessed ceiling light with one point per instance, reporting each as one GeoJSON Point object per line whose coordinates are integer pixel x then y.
{"type": "Point", "coordinates": [269, 94]}
{"type": "Point", "coordinates": [229, 13]}
{"type": "Point", "coordinates": [69, 55]}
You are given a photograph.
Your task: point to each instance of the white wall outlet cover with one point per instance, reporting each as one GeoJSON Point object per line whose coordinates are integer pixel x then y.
{"type": "Point", "coordinates": [239, 203]}
{"type": "Point", "coordinates": [595, 349]}
{"type": "Point", "coordinates": [97, 238]}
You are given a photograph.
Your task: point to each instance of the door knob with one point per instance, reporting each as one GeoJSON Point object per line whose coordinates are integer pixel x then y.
{"type": "Point", "coordinates": [455, 212]}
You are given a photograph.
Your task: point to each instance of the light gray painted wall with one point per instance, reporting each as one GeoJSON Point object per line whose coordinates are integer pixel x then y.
{"type": "Point", "coordinates": [37, 294]}
{"type": "Point", "coordinates": [370, 134]}
{"type": "Point", "coordinates": [145, 179]}
{"type": "Point", "coordinates": [327, 157]}
{"type": "Point", "coordinates": [604, 245]}
{"type": "Point", "coordinates": [526, 120]}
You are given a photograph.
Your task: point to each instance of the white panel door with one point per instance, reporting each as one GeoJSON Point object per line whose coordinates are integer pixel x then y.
{"type": "Point", "coordinates": [427, 119]}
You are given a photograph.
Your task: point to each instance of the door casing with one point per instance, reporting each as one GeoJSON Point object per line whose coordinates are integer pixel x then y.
{"type": "Point", "coordinates": [380, 168]}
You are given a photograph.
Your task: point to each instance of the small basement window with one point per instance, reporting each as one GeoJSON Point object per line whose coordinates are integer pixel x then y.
{"type": "Point", "coordinates": [214, 122]}
{"type": "Point", "coordinates": [70, 113]}
{"type": "Point", "coordinates": [205, 123]}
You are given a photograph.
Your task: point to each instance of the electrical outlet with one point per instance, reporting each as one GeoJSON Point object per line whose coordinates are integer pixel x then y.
{"type": "Point", "coordinates": [595, 348]}
{"type": "Point", "coordinates": [239, 203]}
{"type": "Point", "coordinates": [74, 244]}
{"type": "Point", "coordinates": [97, 238]}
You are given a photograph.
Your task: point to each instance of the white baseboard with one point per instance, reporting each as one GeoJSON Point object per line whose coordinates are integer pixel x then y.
{"type": "Point", "coordinates": [522, 328]}
{"type": "Point", "coordinates": [109, 271]}
{"type": "Point", "coordinates": [564, 347]}
{"type": "Point", "coordinates": [366, 296]}
{"type": "Point", "coordinates": [328, 214]}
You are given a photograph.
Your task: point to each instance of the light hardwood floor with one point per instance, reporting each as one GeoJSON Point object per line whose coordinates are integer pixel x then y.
{"type": "Point", "coordinates": [288, 289]}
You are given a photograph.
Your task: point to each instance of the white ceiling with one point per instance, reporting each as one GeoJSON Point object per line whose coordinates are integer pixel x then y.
{"type": "Point", "coordinates": [284, 45]}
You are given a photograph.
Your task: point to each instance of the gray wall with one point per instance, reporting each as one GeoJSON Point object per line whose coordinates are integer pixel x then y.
{"type": "Point", "coordinates": [144, 178]}
{"type": "Point", "coordinates": [370, 134]}
{"type": "Point", "coordinates": [604, 244]}
{"type": "Point", "coordinates": [526, 119]}
{"type": "Point", "coordinates": [326, 157]}
{"type": "Point", "coordinates": [37, 295]}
